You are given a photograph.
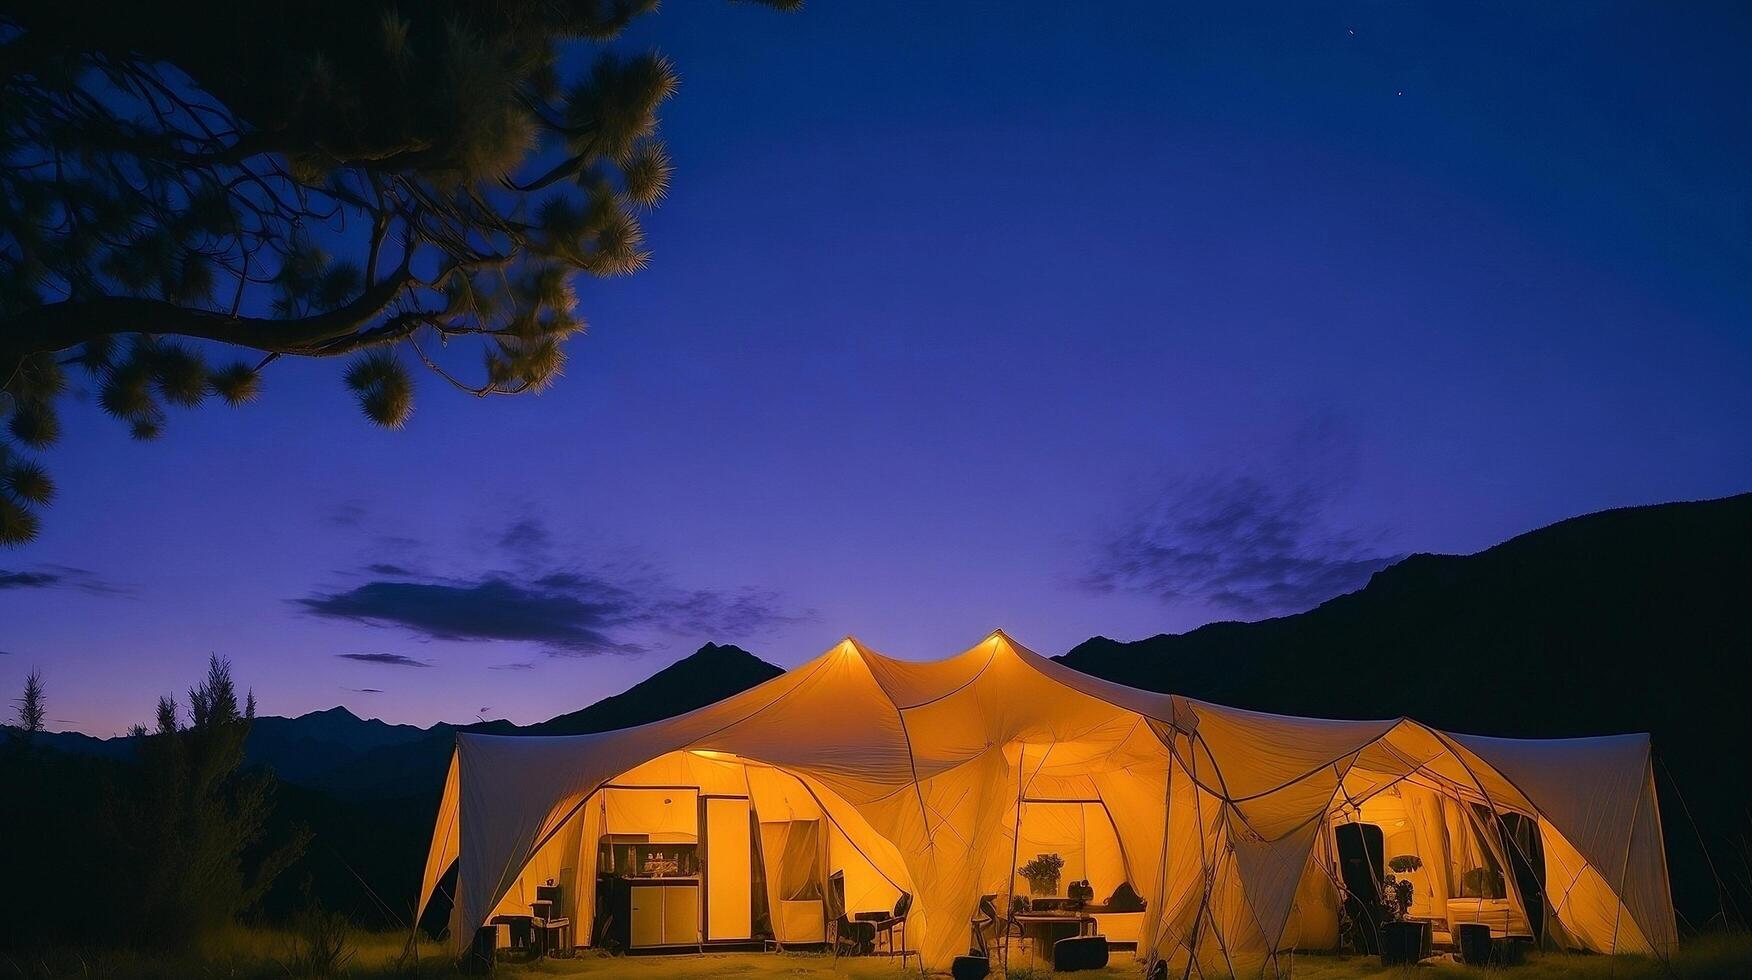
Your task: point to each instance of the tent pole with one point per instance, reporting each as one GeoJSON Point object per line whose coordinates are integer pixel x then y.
{"type": "Point", "coordinates": [1015, 844]}
{"type": "Point", "coordinates": [1161, 896]}
{"type": "Point", "coordinates": [1205, 872]}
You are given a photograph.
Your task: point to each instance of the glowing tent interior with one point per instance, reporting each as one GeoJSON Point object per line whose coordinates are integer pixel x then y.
{"type": "Point", "coordinates": [876, 777]}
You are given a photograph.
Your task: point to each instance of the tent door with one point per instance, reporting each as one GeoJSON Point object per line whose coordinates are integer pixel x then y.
{"type": "Point", "coordinates": [1361, 864]}
{"type": "Point", "coordinates": [1520, 838]}
{"type": "Point", "coordinates": [728, 868]}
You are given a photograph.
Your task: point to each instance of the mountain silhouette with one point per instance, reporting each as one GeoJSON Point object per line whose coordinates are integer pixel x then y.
{"type": "Point", "coordinates": [1632, 620]}
{"type": "Point", "coordinates": [710, 674]}
{"type": "Point", "coordinates": [371, 811]}
{"type": "Point", "coordinates": [415, 766]}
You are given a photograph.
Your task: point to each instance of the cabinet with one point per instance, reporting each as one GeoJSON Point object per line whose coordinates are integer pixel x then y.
{"type": "Point", "coordinates": [665, 914]}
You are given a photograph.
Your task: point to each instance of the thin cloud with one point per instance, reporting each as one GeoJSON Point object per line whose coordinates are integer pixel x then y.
{"type": "Point", "coordinates": [62, 577]}
{"type": "Point", "coordinates": [568, 612]}
{"type": "Point", "coordinates": [386, 659]}
{"type": "Point", "coordinates": [28, 580]}
{"type": "Point", "coordinates": [363, 690]}
{"type": "Point", "coordinates": [1255, 544]}
{"type": "Point", "coordinates": [526, 665]}
{"type": "Point", "coordinates": [350, 514]}
{"type": "Point", "coordinates": [525, 536]}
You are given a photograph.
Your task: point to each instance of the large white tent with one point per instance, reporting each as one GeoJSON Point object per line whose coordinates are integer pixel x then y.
{"type": "Point", "coordinates": [936, 779]}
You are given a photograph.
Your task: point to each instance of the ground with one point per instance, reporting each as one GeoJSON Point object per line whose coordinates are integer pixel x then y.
{"type": "Point", "coordinates": [264, 954]}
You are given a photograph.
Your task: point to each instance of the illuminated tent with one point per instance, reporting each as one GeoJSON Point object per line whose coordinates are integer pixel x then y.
{"type": "Point", "coordinates": [940, 779]}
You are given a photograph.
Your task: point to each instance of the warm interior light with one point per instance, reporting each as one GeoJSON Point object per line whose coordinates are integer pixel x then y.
{"type": "Point", "coordinates": [713, 754]}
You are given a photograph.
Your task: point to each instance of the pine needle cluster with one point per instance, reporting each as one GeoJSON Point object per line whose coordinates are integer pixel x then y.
{"type": "Point", "coordinates": [374, 181]}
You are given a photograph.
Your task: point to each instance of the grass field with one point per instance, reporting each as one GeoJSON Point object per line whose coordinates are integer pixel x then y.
{"type": "Point", "coordinates": [264, 954]}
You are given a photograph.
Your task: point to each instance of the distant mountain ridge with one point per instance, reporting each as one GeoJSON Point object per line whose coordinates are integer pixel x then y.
{"type": "Point", "coordinates": [338, 752]}
{"type": "Point", "coordinates": [416, 766]}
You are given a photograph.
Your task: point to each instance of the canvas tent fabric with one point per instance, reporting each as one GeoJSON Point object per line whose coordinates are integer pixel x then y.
{"type": "Point", "coordinates": [939, 779]}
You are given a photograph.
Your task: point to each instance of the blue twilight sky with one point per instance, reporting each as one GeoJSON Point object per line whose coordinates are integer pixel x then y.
{"type": "Point", "coordinates": [1065, 318]}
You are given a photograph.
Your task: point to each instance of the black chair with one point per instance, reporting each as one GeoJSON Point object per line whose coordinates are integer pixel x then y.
{"type": "Point", "coordinates": [846, 934]}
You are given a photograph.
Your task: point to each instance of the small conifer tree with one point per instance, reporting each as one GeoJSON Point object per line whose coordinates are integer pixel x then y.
{"type": "Point", "coordinates": [30, 704]}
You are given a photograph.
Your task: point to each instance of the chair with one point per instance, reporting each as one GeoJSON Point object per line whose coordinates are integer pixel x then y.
{"type": "Point", "coordinates": [991, 929]}
{"type": "Point", "coordinates": [847, 935]}
{"type": "Point", "coordinates": [985, 926]}
{"type": "Point", "coordinates": [894, 924]}
{"type": "Point", "coordinates": [1013, 929]}
{"type": "Point", "coordinates": [553, 933]}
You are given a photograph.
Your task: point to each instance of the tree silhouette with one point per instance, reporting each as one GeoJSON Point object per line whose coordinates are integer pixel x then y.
{"type": "Point", "coordinates": [191, 828]}
{"type": "Point", "coordinates": [30, 704]}
{"type": "Point", "coordinates": [180, 831]}
{"type": "Point", "coordinates": [166, 717]}
{"type": "Point", "coordinates": [334, 178]}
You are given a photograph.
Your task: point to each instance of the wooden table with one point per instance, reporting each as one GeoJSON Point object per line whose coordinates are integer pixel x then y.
{"type": "Point", "coordinates": [1046, 928]}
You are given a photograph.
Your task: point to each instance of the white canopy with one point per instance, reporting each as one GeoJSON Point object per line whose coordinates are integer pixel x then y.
{"type": "Point", "coordinates": [942, 775]}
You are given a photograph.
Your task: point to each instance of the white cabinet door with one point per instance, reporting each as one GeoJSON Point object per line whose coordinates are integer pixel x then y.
{"type": "Point", "coordinates": [647, 916]}
{"type": "Point", "coordinates": [681, 915]}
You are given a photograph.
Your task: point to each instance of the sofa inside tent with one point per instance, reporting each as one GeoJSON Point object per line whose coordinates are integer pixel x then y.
{"type": "Point", "coordinates": [1191, 830]}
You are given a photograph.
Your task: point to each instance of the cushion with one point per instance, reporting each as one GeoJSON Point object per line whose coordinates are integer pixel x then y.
{"type": "Point", "coordinates": [1079, 953]}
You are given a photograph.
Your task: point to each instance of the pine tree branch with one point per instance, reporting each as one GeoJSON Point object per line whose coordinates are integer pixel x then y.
{"type": "Point", "coordinates": [59, 326]}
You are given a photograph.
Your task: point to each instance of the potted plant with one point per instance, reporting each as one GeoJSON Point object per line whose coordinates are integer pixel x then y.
{"type": "Point", "coordinates": [1401, 938]}
{"type": "Point", "coordinates": [1043, 873]}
